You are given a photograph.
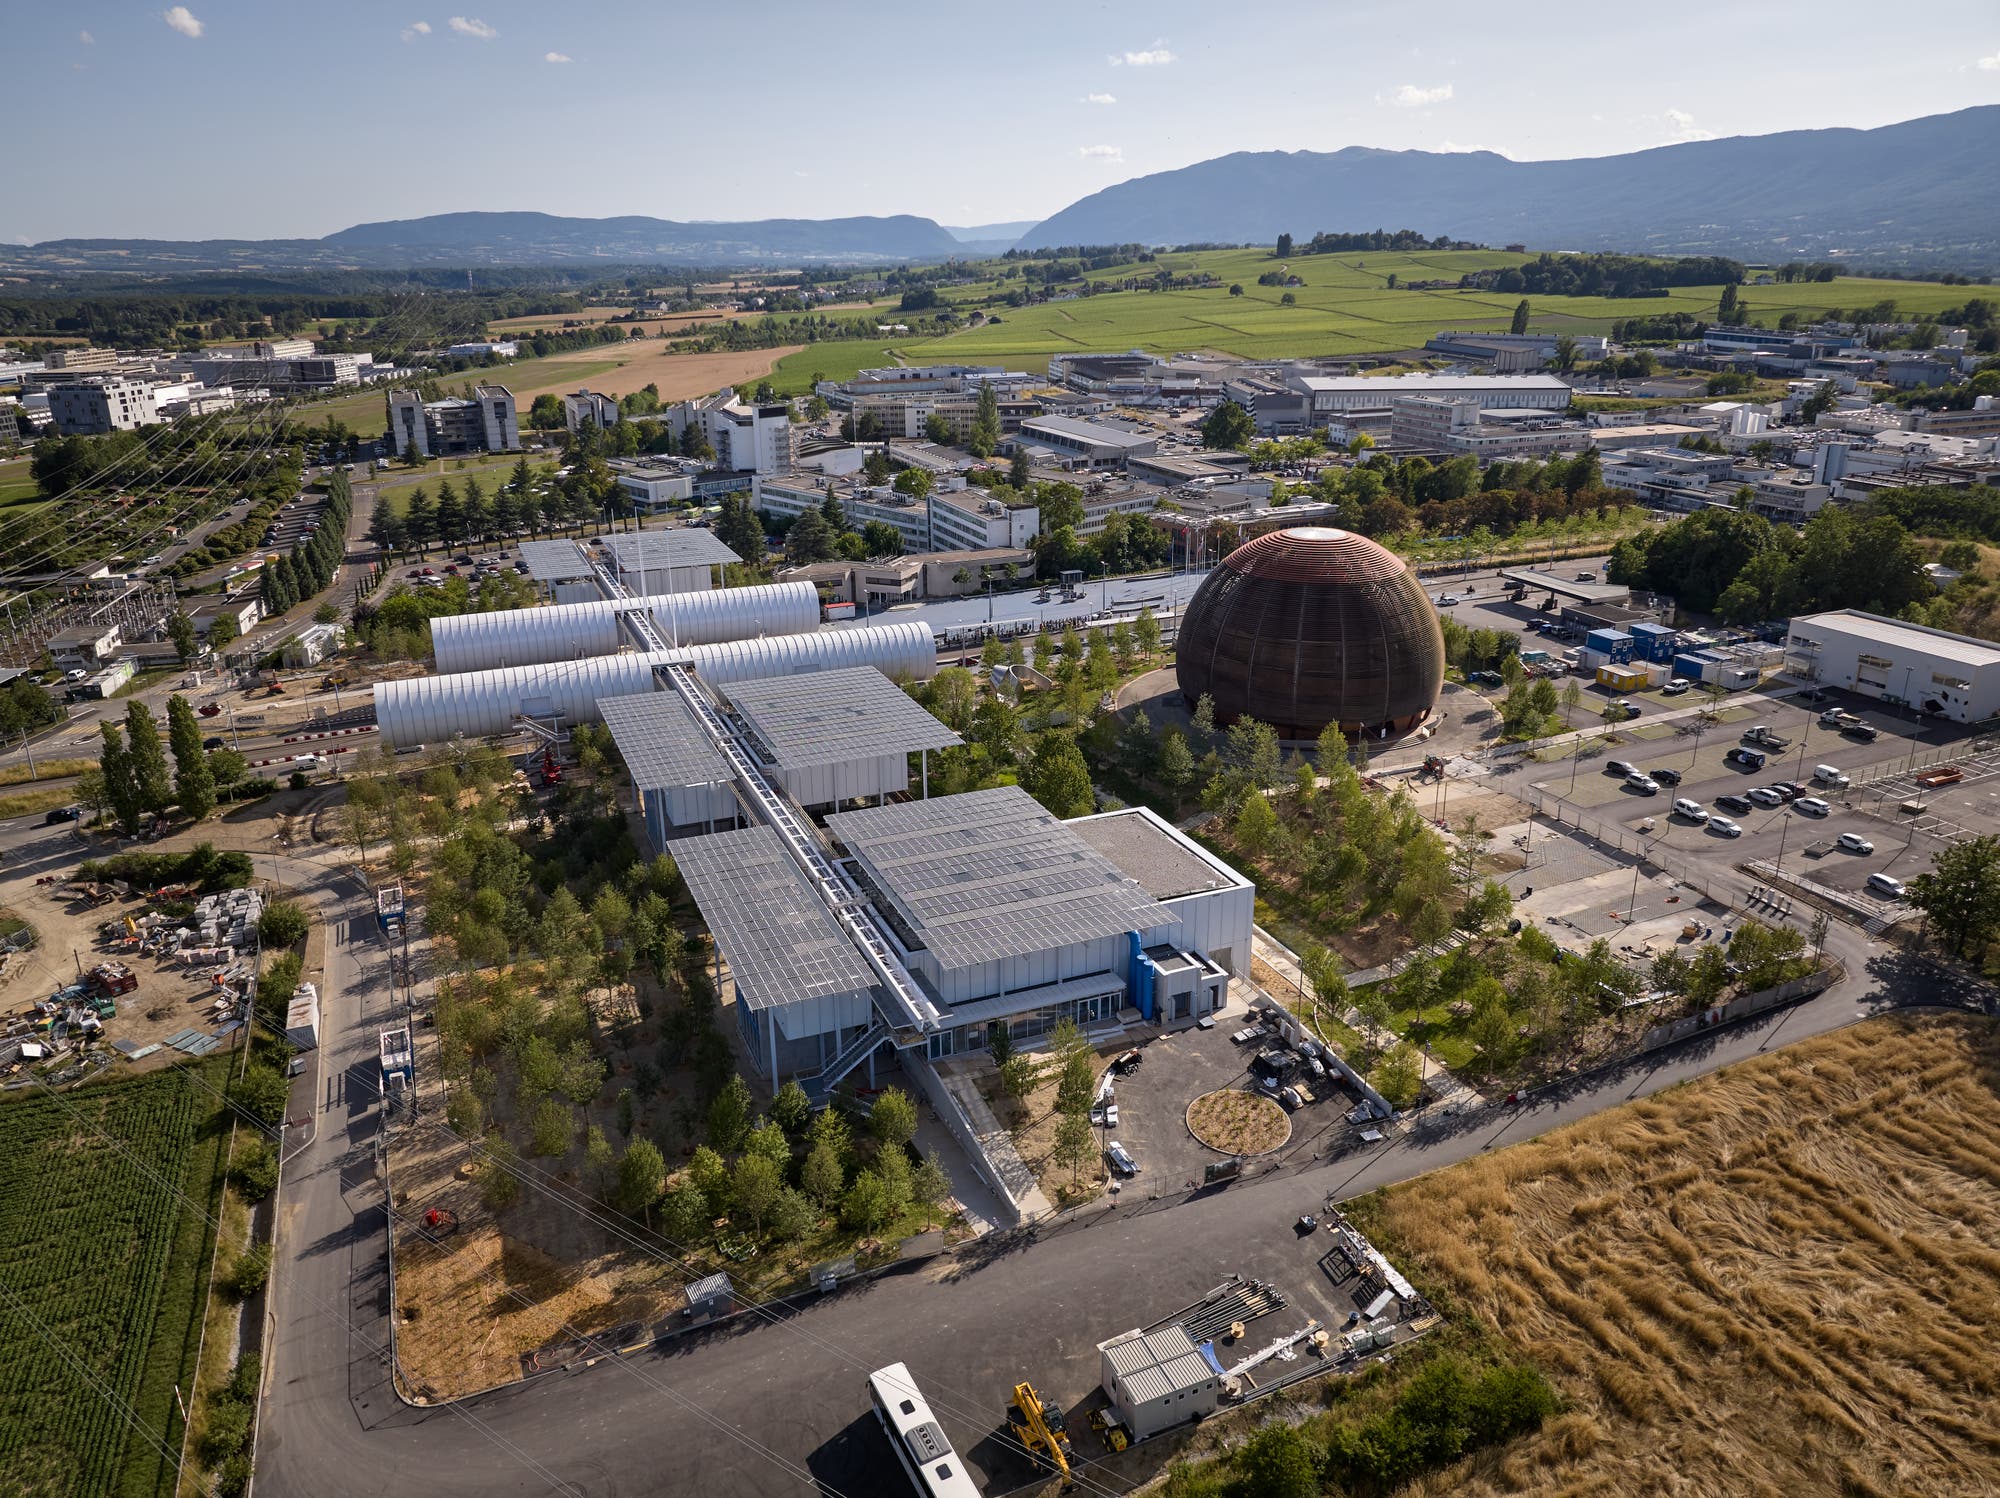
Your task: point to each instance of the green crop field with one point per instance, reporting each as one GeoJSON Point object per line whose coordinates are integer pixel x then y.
{"type": "Point", "coordinates": [1347, 307]}
{"type": "Point", "coordinates": [105, 1268]}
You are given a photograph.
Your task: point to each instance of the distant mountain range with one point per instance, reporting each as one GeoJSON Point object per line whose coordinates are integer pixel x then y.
{"type": "Point", "coordinates": [1919, 192]}
{"type": "Point", "coordinates": [510, 239]}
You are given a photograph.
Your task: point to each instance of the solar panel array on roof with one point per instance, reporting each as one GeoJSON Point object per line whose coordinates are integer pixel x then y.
{"type": "Point", "coordinates": [990, 874]}
{"type": "Point", "coordinates": [662, 743]}
{"type": "Point", "coordinates": [783, 945]}
{"type": "Point", "coordinates": [673, 546]}
{"type": "Point", "coordinates": [833, 717]}
{"type": "Point", "coordinates": [554, 561]}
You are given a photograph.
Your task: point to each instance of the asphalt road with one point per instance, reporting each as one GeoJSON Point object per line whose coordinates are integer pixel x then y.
{"type": "Point", "coordinates": [778, 1407]}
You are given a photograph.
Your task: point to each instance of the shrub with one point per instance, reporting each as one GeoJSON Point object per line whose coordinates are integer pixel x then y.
{"type": "Point", "coordinates": [284, 924]}
{"type": "Point", "coordinates": [255, 1173]}
{"type": "Point", "coordinates": [251, 1271]}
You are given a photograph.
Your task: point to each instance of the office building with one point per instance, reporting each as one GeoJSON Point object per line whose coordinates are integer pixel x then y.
{"type": "Point", "coordinates": [1433, 424]}
{"type": "Point", "coordinates": [1335, 396]}
{"type": "Point", "coordinates": [100, 404]}
{"type": "Point", "coordinates": [751, 439]}
{"type": "Point", "coordinates": [80, 360]}
{"type": "Point", "coordinates": [1909, 665]}
{"type": "Point", "coordinates": [588, 405]}
{"type": "Point", "coordinates": [1069, 442]}
{"type": "Point", "coordinates": [488, 422]}
{"type": "Point", "coordinates": [1507, 352]}
{"type": "Point", "coordinates": [964, 518]}
{"type": "Point", "coordinates": [282, 348]}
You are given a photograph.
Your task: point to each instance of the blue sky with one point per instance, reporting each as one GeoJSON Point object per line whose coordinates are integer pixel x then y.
{"type": "Point", "coordinates": [275, 118]}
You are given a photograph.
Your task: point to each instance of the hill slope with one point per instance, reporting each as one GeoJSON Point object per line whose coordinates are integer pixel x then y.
{"type": "Point", "coordinates": [1904, 193]}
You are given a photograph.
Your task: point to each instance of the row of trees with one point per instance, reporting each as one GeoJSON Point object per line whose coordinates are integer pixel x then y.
{"type": "Point", "coordinates": [309, 566]}
{"type": "Point", "coordinates": [133, 780]}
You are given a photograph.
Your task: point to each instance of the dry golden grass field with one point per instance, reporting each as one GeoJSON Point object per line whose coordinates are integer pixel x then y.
{"type": "Point", "coordinates": [1784, 1279]}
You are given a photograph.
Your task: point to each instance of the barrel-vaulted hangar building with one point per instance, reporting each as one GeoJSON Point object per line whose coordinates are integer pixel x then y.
{"type": "Point", "coordinates": [1309, 626]}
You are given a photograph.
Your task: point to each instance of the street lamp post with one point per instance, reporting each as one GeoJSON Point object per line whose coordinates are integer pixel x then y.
{"type": "Point", "coordinates": [1784, 831]}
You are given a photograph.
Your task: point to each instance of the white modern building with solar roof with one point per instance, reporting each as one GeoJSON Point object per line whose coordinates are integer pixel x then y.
{"type": "Point", "coordinates": [674, 559]}
{"type": "Point", "coordinates": [1008, 916]}
{"type": "Point", "coordinates": [840, 735]}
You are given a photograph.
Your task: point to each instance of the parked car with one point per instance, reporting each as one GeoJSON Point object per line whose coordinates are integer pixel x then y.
{"type": "Point", "coordinates": [1666, 777]}
{"type": "Point", "coordinates": [1105, 1117]}
{"type": "Point", "coordinates": [1812, 806]}
{"type": "Point", "coordinates": [1625, 705]}
{"type": "Point", "coordinates": [1645, 785]}
{"type": "Point", "coordinates": [1586, 577]}
{"type": "Point", "coordinates": [1886, 884]}
{"type": "Point", "coordinates": [1829, 775]}
{"type": "Point", "coordinates": [1763, 795]}
{"type": "Point", "coordinates": [1448, 600]}
{"type": "Point", "coordinates": [1747, 759]}
{"type": "Point", "coordinates": [75, 673]}
{"type": "Point", "coordinates": [1866, 732]}
{"type": "Point", "coordinates": [1738, 804]}
{"type": "Point", "coordinates": [62, 814]}
{"type": "Point", "coordinates": [1725, 826]}
{"type": "Point", "coordinates": [214, 741]}
{"type": "Point", "coordinates": [1121, 1159]}
{"type": "Point", "coordinates": [1854, 842]}
{"type": "Point", "coordinates": [1788, 790]}
{"type": "Point", "coordinates": [1675, 687]}
{"type": "Point", "coordinates": [1290, 1101]}
{"type": "Point", "coordinates": [1694, 811]}
{"type": "Point", "coordinates": [1619, 767]}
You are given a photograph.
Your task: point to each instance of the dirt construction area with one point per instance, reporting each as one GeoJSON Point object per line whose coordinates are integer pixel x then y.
{"type": "Point", "coordinates": [620, 369]}
{"type": "Point", "coordinates": [1779, 1279]}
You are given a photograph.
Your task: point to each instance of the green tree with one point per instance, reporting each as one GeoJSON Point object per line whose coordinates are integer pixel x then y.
{"type": "Point", "coordinates": [868, 1204]}
{"type": "Point", "coordinates": [1520, 321]}
{"type": "Point", "coordinates": [709, 1171]}
{"type": "Point", "coordinates": [754, 1190]}
{"type": "Point", "coordinates": [823, 1177]}
{"type": "Point", "coordinates": [1228, 426]}
{"type": "Point", "coordinates": [599, 1159]}
{"type": "Point", "coordinates": [893, 1120]}
{"type": "Point", "coordinates": [1256, 823]}
{"type": "Point", "coordinates": [914, 482]}
{"type": "Point", "coordinates": [149, 759]}
{"type": "Point", "coordinates": [194, 782]}
{"type": "Point", "coordinates": [552, 1128]}
{"type": "Point", "coordinates": [121, 786]}
{"type": "Point", "coordinates": [1059, 778]}
{"type": "Point", "coordinates": [729, 1116]}
{"type": "Point", "coordinates": [1399, 1075]}
{"type": "Point", "coordinates": [499, 1187]}
{"type": "Point", "coordinates": [1279, 1461]}
{"type": "Point", "coordinates": [768, 1139]}
{"type": "Point", "coordinates": [1176, 767]}
{"type": "Point", "coordinates": [930, 1182]}
{"type": "Point", "coordinates": [1960, 894]}
{"type": "Point", "coordinates": [284, 923]}
{"type": "Point", "coordinates": [1019, 472]}
{"type": "Point", "coordinates": [985, 423]}
{"type": "Point", "coordinates": [792, 1109]}
{"type": "Point", "coordinates": [180, 629]}
{"type": "Point", "coordinates": [809, 540]}
{"type": "Point", "coordinates": [686, 1213]}
{"type": "Point", "coordinates": [1075, 1145]}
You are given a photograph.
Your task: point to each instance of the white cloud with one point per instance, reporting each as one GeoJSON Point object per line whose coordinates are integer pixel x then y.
{"type": "Point", "coordinates": [182, 20]}
{"type": "Point", "coordinates": [1155, 56]}
{"type": "Point", "coordinates": [1099, 99]}
{"type": "Point", "coordinates": [557, 57]}
{"type": "Point", "coordinates": [416, 29]}
{"type": "Point", "coordinates": [1990, 64]}
{"type": "Point", "coordinates": [1409, 96]}
{"type": "Point", "coordinates": [1682, 124]}
{"type": "Point", "coordinates": [473, 26]}
{"type": "Point", "coordinates": [86, 38]}
{"type": "Point", "coordinates": [1101, 153]}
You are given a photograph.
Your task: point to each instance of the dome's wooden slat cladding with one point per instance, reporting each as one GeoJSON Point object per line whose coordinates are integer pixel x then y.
{"type": "Point", "coordinates": [1309, 626]}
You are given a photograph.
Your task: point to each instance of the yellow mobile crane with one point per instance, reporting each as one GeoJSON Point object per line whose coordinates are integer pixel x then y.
{"type": "Point", "coordinates": [1039, 1428]}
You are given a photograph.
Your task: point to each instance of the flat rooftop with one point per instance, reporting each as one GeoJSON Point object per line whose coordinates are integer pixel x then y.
{"type": "Point", "coordinates": [782, 943]}
{"type": "Point", "coordinates": [1162, 864]}
{"type": "Point", "coordinates": [664, 747]}
{"type": "Point", "coordinates": [835, 717]}
{"type": "Point", "coordinates": [1568, 587]}
{"type": "Point", "coordinates": [1405, 384]}
{"type": "Point", "coordinates": [1896, 635]}
{"type": "Point", "coordinates": [1088, 431]}
{"type": "Point", "coordinates": [554, 561]}
{"type": "Point", "coordinates": [671, 546]}
{"type": "Point", "coordinates": [991, 874]}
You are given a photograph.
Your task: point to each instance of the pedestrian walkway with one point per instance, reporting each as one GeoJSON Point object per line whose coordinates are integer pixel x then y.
{"type": "Point", "coordinates": [998, 1146]}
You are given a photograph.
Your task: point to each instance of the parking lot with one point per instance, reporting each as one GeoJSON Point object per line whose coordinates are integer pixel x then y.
{"type": "Point", "coordinates": [1181, 1066]}
{"type": "Point", "coordinates": [1901, 844]}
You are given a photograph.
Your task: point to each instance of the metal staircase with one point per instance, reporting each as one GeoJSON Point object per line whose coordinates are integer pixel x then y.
{"type": "Point", "coordinates": [850, 1056]}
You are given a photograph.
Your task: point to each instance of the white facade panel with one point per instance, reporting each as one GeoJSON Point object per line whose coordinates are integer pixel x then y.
{"type": "Point", "coordinates": [851, 780]}
{"type": "Point", "coordinates": [905, 649]}
{"type": "Point", "coordinates": [520, 637]}
{"type": "Point", "coordinates": [478, 703]}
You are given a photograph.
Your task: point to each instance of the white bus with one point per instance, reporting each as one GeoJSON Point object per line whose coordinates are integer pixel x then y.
{"type": "Point", "coordinates": [933, 1467]}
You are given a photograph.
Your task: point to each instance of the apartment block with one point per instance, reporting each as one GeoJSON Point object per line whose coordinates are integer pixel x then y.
{"type": "Point", "coordinates": [488, 422]}
{"type": "Point", "coordinates": [90, 408]}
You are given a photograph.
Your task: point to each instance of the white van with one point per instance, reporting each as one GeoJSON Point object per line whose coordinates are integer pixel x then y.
{"type": "Point", "coordinates": [1692, 810]}
{"type": "Point", "coordinates": [1829, 775]}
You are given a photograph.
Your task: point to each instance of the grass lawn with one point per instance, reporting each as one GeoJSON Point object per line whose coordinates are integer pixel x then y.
{"type": "Point", "coordinates": [47, 769]}
{"type": "Point", "coordinates": [28, 803]}
{"type": "Point", "coordinates": [144, 679]}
